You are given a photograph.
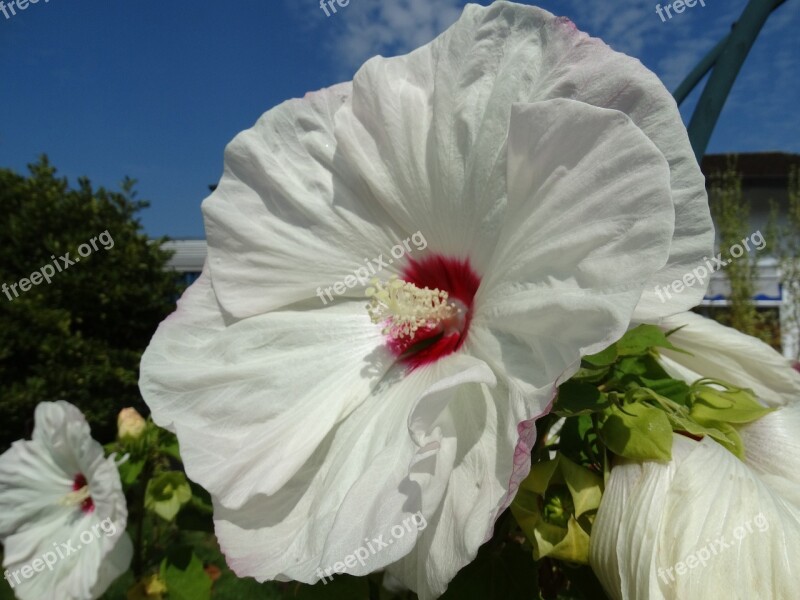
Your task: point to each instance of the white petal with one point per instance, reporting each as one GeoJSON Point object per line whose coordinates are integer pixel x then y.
{"type": "Point", "coordinates": [589, 219]}
{"type": "Point", "coordinates": [772, 450]}
{"type": "Point", "coordinates": [289, 216]}
{"type": "Point", "coordinates": [117, 562]}
{"type": "Point", "coordinates": [723, 353]}
{"type": "Point", "coordinates": [707, 511]}
{"type": "Point", "coordinates": [63, 430]}
{"type": "Point", "coordinates": [235, 394]}
{"type": "Point", "coordinates": [31, 486]}
{"type": "Point", "coordinates": [483, 425]}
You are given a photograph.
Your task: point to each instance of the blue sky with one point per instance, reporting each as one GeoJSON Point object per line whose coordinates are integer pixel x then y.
{"type": "Point", "coordinates": [155, 90]}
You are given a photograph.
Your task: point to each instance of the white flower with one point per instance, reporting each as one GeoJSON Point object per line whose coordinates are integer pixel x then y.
{"type": "Point", "coordinates": [542, 173]}
{"type": "Point", "coordinates": [62, 511]}
{"type": "Point", "coordinates": [746, 515]}
{"type": "Point", "coordinates": [704, 525]}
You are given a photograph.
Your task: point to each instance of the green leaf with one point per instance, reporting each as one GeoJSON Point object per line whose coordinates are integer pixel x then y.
{"type": "Point", "coordinates": [604, 358]}
{"type": "Point", "coordinates": [184, 575]}
{"type": "Point", "coordinates": [589, 374]}
{"type": "Point", "coordinates": [674, 389]}
{"type": "Point", "coordinates": [646, 366]}
{"type": "Point", "coordinates": [130, 470]}
{"type": "Point", "coordinates": [641, 432]}
{"type": "Point", "coordinates": [575, 398]}
{"type": "Point", "coordinates": [641, 339]}
{"type": "Point", "coordinates": [167, 493]}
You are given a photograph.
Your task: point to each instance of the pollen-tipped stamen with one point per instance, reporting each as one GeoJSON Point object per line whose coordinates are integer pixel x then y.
{"type": "Point", "coordinates": [76, 498]}
{"type": "Point", "coordinates": [405, 308]}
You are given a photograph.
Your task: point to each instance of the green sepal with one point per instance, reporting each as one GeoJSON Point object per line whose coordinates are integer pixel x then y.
{"type": "Point", "coordinates": [641, 339]}
{"type": "Point", "coordinates": [565, 538]}
{"type": "Point", "coordinates": [731, 405]}
{"type": "Point", "coordinates": [167, 493]}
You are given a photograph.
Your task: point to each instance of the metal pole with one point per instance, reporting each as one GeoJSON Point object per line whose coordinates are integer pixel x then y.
{"type": "Point", "coordinates": [704, 66]}
{"type": "Point", "coordinates": [727, 66]}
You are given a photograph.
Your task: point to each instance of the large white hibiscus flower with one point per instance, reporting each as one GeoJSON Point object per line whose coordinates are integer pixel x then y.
{"type": "Point", "coordinates": [707, 523]}
{"type": "Point", "coordinates": [545, 182]}
{"type": "Point", "coordinates": [62, 511]}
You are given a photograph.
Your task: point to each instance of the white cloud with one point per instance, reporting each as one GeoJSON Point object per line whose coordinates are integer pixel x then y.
{"type": "Point", "coordinates": [389, 27]}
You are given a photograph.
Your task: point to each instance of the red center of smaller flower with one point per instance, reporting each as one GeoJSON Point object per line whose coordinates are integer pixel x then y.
{"type": "Point", "coordinates": [78, 484]}
{"type": "Point", "coordinates": [459, 280]}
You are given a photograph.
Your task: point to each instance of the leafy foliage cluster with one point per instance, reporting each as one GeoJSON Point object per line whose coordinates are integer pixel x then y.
{"type": "Point", "coordinates": [80, 337]}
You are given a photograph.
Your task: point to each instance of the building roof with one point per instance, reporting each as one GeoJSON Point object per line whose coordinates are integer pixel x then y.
{"type": "Point", "coordinates": [756, 168]}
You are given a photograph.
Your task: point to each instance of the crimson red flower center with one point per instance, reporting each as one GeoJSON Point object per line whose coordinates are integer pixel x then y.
{"type": "Point", "coordinates": [431, 342]}
{"type": "Point", "coordinates": [80, 484]}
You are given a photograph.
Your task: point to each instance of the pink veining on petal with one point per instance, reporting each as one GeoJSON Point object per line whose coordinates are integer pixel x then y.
{"type": "Point", "coordinates": [568, 22]}
{"type": "Point", "coordinates": [526, 431]}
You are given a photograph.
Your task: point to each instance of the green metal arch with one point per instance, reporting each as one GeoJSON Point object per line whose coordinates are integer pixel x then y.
{"type": "Point", "coordinates": [726, 60]}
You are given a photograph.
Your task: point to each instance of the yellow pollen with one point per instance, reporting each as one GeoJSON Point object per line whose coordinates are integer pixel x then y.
{"type": "Point", "coordinates": [406, 307]}
{"type": "Point", "coordinates": [75, 498]}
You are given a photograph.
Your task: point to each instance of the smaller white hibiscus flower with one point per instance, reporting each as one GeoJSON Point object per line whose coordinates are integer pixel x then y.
{"type": "Point", "coordinates": [62, 510]}
{"type": "Point", "coordinates": [704, 525]}
{"type": "Point", "coordinates": [706, 522]}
